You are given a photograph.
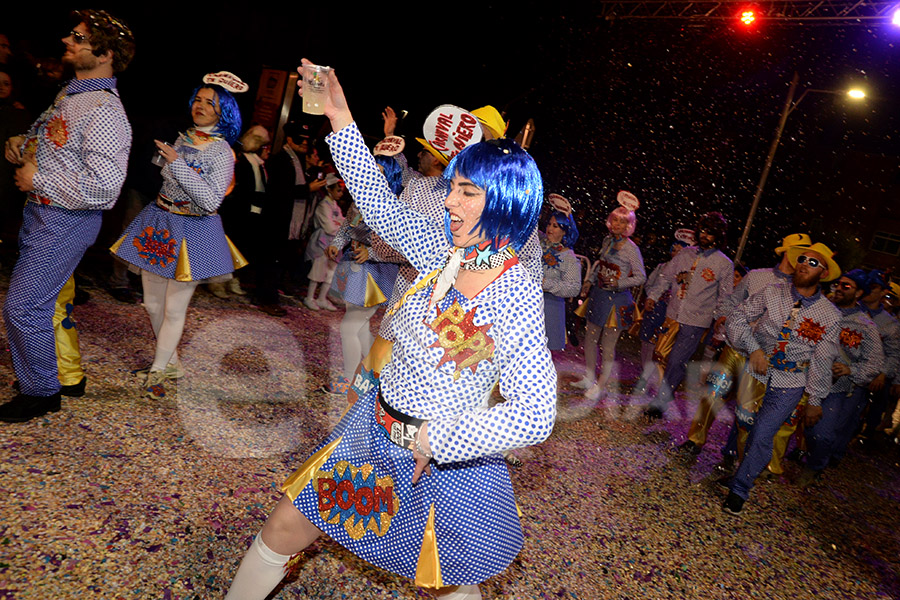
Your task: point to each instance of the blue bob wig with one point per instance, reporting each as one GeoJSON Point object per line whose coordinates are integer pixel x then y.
{"type": "Point", "coordinates": [392, 172]}
{"type": "Point", "coordinates": [514, 190]}
{"type": "Point", "coordinates": [229, 124]}
{"type": "Point", "coordinates": [567, 224]}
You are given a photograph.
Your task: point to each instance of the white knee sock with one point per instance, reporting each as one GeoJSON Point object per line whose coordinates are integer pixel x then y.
{"type": "Point", "coordinates": [461, 592]}
{"type": "Point", "coordinates": [355, 337]}
{"type": "Point", "coordinates": [261, 570]}
{"type": "Point", "coordinates": [178, 296]}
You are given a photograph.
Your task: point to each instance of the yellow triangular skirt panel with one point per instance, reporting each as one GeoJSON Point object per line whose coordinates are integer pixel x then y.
{"type": "Point", "coordinates": [374, 297]}
{"type": "Point", "coordinates": [115, 247]}
{"type": "Point", "coordinates": [183, 268]}
{"type": "Point", "coordinates": [302, 476]}
{"type": "Point", "coordinates": [428, 569]}
{"type": "Point", "coordinates": [236, 257]}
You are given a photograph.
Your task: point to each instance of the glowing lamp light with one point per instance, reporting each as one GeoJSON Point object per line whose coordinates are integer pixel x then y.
{"type": "Point", "coordinates": [748, 17]}
{"type": "Point", "coordinates": [856, 94]}
{"type": "Point", "coordinates": [896, 19]}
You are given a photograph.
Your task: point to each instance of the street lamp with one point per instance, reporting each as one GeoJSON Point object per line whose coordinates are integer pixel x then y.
{"type": "Point", "coordinates": [790, 105]}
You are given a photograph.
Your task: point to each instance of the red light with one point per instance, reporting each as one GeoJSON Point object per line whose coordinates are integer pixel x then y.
{"type": "Point", "coordinates": [748, 17]}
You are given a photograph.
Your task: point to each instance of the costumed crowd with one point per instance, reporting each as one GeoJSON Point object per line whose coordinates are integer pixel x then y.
{"type": "Point", "coordinates": [476, 271]}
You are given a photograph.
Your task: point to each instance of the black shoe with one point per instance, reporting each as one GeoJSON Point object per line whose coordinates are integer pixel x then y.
{"type": "Point", "coordinates": [797, 455]}
{"type": "Point", "coordinates": [74, 391]}
{"type": "Point", "coordinates": [123, 294]}
{"type": "Point", "coordinates": [690, 448]}
{"type": "Point", "coordinates": [651, 414]}
{"type": "Point", "coordinates": [24, 407]}
{"type": "Point", "coordinates": [734, 505]}
{"type": "Point", "coordinates": [727, 465]}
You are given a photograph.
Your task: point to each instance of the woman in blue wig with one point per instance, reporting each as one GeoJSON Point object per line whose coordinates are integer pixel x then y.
{"type": "Point", "coordinates": [562, 269]}
{"type": "Point", "coordinates": [413, 472]}
{"type": "Point", "coordinates": [178, 241]}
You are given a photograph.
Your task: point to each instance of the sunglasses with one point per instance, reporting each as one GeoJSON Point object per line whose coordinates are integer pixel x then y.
{"type": "Point", "coordinates": [889, 297]}
{"type": "Point", "coordinates": [809, 260]}
{"type": "Point", "coordinates": [845, 285]}
{"type": "Point", "coordinates": [79, 37]}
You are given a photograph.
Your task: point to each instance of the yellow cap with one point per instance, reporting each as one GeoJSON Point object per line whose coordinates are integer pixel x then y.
{"type": "Point", "coordinates": [795, 239]}
{"type": "Point", "coordinates": [434, 151]}
{"type": "Point", "coordinates": [490, 118]}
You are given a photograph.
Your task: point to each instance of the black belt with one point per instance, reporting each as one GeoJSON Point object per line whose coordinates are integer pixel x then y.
{"type": "Point", "coordinates": [401, 429]}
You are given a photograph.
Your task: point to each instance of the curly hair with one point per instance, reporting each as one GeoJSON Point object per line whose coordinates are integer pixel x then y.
{"type": "Point", "coordinates": [108, 33]}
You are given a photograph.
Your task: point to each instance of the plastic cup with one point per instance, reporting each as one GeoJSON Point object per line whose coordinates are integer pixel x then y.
{"type": "Point", "coordinates": [315, 78]}
{"type": "Point", "coordinates": [158, 159]}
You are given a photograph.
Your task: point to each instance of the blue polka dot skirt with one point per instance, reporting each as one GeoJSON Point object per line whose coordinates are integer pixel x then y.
{"type": "Point", "coordinates": [364, 284]}
{"type": "Point", "coordinates": [182, 247]}
{"type": "Point", "coordinates": [457, 526]}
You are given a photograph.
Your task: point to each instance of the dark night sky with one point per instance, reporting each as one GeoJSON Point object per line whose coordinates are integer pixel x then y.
{"type": "Point", "coordinates": [681, 116]}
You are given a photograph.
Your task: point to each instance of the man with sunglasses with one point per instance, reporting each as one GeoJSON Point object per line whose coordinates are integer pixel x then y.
{"type": "Point", "coordinates": [860, 361]}
{"type": "Point", "coordinates": [71, 164]}
{"type": "Point", "coordinates": [889, 330]}
{"type": "Point", "coordinates": [790, 350]}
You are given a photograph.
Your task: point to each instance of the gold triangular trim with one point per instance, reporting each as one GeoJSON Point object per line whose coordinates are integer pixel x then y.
{"type": "Point", "coordinates": [183, 268]}
{"type": "Point", "coordinates": [302, 476]}
{"type": "Point", "coordinates": [236, 257]}
{"type": "Point", "coordinates": [374, 296]}
{"type": "Point", "coordinates": [115, 247]}
{"type": "Point", "coordinates": [428, 569]}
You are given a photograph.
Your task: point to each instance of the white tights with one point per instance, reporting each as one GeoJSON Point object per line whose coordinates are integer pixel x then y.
{"type": "Point", "coordinates": [610, 336]}
{"type": "Point", "coordinates": [356, 336]}
{"type": "Point", "coordinates": [166, 301]}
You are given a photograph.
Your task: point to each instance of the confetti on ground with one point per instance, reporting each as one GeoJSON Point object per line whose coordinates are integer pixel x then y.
{"type": "Point", "coordinates": [120, 497]}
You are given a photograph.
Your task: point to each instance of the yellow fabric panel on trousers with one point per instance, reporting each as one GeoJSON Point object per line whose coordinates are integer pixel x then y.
{"type": "Point", "coordinates": [787, 429]}
{"type": "Point", "coordinates": [730, 364]}
{"type": "Point", "coordinates": [665, 341]}
{"type": "Point", "coordinates": [68, 352]}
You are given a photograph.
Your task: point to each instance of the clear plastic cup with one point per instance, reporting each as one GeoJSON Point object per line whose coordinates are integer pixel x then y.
{"type": "Point", "coordinates": [315, 86]}
{"type": "Point", "coordinates": [158, 159]}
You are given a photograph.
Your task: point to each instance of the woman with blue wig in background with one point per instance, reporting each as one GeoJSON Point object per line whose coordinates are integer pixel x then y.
{"type": "Point", "coordinates": [412, 478]}
{"type": "Point", "coordinates": [363, 282]}
{"type": "Point", "coordinates": [562, 269]}
{"type": "Point", "coordinates": [178, 241]}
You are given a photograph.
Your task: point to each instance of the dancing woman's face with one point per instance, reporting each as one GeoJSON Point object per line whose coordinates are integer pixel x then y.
{"type": "Point", "coordinates": [464, 204]}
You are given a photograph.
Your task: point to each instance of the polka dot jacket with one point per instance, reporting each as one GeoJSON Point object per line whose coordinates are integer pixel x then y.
{"type": "Point", "coordinates": [810, 348]}
{"type": "Point", "coordinates": [447, 360]}
{"type": "Point", "coordinates": [81, 144]}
